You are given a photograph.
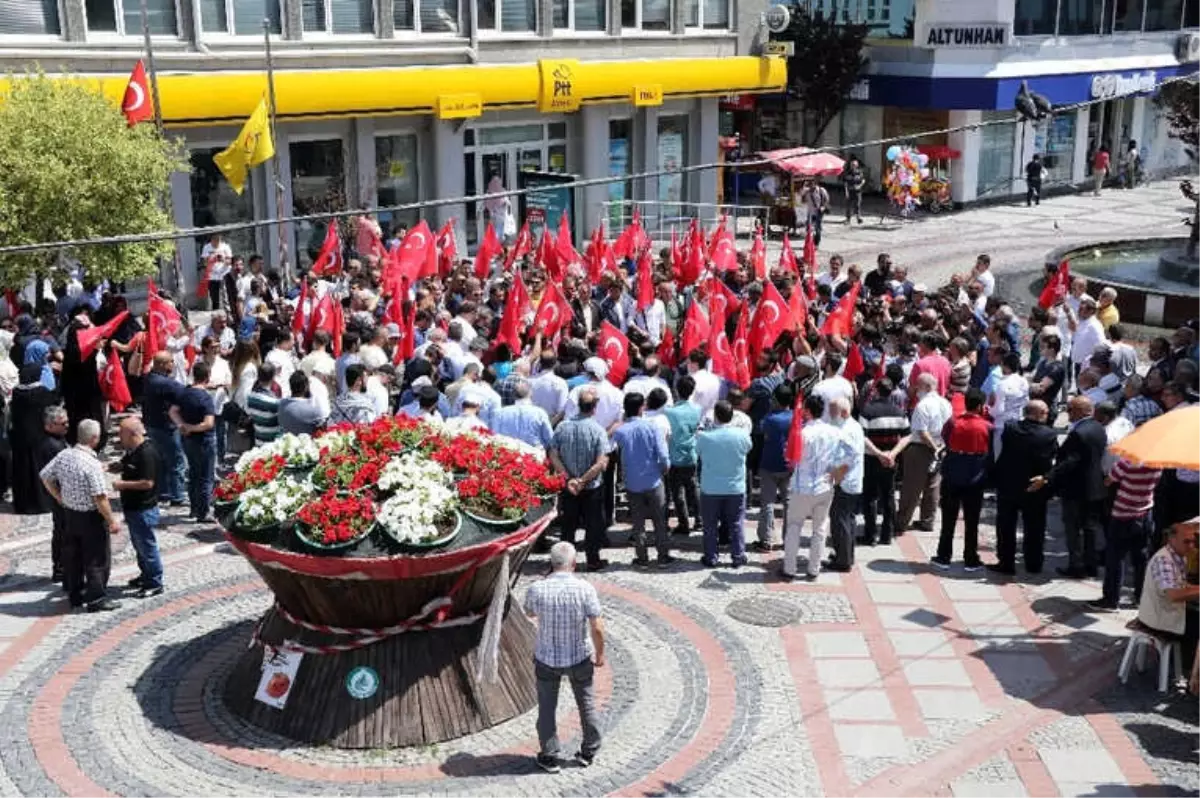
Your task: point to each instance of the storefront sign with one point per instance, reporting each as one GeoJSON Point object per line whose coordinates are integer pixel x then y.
{"type": "Point", "coordinates": [860, 91]}
{"type": "Point", "coordinates": [964, 34]}
{"type": "Point", "coordinates": [1113, 84]}
{"type": "Point", "coordinates": [459, 106]}
{"type": "Point", "coordinates": [647, 95]}
{"type": "Point", "coordinates": [786, 49]}
{"type": "Point", "coordinates": [558, 92]}
{"type": "Point", "coordinates": [546, 201]}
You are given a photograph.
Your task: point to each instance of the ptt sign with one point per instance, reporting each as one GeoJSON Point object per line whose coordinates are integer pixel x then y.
{"type": "Point", "coordinates": [558, 93]}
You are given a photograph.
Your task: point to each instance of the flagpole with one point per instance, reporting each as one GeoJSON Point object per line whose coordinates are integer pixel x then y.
{"type": "Point", "coordinates": [275, 166]}
{"type": "Point", "coordinates": [177, 267]}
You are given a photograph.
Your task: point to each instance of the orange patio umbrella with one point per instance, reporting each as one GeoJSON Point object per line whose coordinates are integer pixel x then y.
{"type": "Point", "coordinates": [1170, 441]}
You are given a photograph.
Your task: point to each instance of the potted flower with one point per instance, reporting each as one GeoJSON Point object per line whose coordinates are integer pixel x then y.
{"type": "Point", "coordinates": [462, 453]}
{"type": "Point", "coordinates": [257, 473]}
{"type": "Point", "coordinates": [392, 435]}
{"type": "Point", "coordinates": [350, 472]}
{"type": "Point", "coordinates": [337, 440]}
{"type": "Point", "coordinates": [300, 451]}
{"type": "Point", "coordinates": [421, 513]}
{"type": "Point", "coordinates": [263, 510]}
{"type": "Point", "coordinates": [410, 471]}
{"type": "Point", "coordinates": [333, 522]}
{"type": "Point", "coordinates": [496, 499]}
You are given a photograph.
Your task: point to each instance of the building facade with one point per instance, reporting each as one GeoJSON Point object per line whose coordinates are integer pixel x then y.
{"type": "Point", "coordinates": [387, 102]}
{"type": "Point", "coordinates": [967, 59]}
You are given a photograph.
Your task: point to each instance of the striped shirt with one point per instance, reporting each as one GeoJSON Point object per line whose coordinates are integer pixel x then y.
{"type": "Point", "coordinates": [263, 409]}
{"type": "Point", "coordinates": [1135, 489]}
{"type": "Point", "coordinates": [563, 604]}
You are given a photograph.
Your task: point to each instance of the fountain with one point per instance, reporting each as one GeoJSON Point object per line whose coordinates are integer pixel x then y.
{"type": "Point", "coordinates": [1157, 278]}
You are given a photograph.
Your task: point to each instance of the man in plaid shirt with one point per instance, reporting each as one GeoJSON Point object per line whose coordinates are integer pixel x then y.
{"type": "Point", "coordinates": [1139, 407]}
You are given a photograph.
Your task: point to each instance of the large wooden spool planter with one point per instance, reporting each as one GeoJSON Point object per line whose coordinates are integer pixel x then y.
{"type": "Point", "coordinates": [428, 690]}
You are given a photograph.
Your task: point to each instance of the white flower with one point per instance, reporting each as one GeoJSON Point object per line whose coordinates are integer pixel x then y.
{"type": "Point", "coordinates": [337, 442]}
{"type": "Point", "coordinates": [424, 494]}
{"type": "Point", "coordinates": [410, 472]}
{"type": "Point", "coordinates": [298, 450]}
{"type": "Point", "coordinates": [272, 503]}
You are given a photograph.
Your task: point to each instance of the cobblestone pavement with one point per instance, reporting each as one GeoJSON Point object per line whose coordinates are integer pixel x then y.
{"type": "Point", "coordinates": [889, 680]}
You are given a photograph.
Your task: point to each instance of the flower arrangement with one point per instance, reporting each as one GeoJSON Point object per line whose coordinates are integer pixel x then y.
{"type": "Point", "coordinates": [352, 471]}
{"type": "Point", "coordinates": [257, 473]}
{"type": "Point", "coordinates": [496, 495]}
{"type": "Point", "coordinates": [422, 510]}
{"type": "Point", "coordinates": [331, 519]}
{"type": "Point", "coordinates": [273, 503]}
{"type": "Point", "coordinates": [298, 451]}
{"type": "Point", "coordinates": [393, 435]}
{"type": "Point", "coordinates": [410, 472]}
{"type": "Point", "coordinates": [337, 440]}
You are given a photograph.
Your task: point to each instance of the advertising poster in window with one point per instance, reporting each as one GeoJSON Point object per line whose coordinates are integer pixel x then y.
{"type": "Point", "coordinates": [546, 201]}
{"type": "Point", "coordinates": [670, 156]}
{"type": "Point", "coordinates": [618, 165]}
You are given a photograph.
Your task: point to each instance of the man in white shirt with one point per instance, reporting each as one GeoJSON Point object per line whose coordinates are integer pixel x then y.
{"type": "Point", "coordinates": [1088, 333]}
{"type": "Point", "coordinates": [320, 380]}
{"type": "Point", "coordinates": [983, 273]}
{"type": "Point", "coordinates": [920, 450]}
{"type": "Point", "coordinates": [654, 320]}
{"type": "Point", "coordinates": [218, 328]}
{"type": "Point", "coordinates": [548, 390]}
{"type": "Point", "coordinates": [1009, 399]}
{"type": "Point", "coordinates": [372, 354]}
{"type": "Point", "coordinates": [283, 358]}
{"type": "Point", "coordinates": [833, 385]}
{"type": "Point", "coordinates": [319, 356]}
{"type": "Point", "coordinates": [377, 388]}
{"type": "Point", "coordinates": [216, 258]}
{"type": "Point", "coordinates": [834, 277]}
{"type": "Point", "coordinates": [610, 400]}
{"type": "Point", "coordinates": [647, 381]}
{"type": "Point", "coordinates": [708, 385]}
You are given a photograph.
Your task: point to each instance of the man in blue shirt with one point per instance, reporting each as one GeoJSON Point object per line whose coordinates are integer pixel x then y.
{"type": "Point", "coordinates": [644, 455]}
{"type": "Point", "coordinates": [195, 416]}
{"type": "Point", "coordinates": [159, 393]}
{"type": "Point", "coordinates": [722, 452]}
{"type": "Point", "coordinates": [773, 470]}
{"type": "Point", "coordinates": [684, 418]}
{"type": "Point", "coordinates": [523, 420]}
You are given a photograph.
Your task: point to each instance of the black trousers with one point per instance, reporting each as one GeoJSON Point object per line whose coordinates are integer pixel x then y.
{"type": "Point", "coordinates": [584, 509]}
{"type": "Point", "coordinates": [1031, 510]}
{"type": "Point", "coordinates": [214, 293]}
{"type": "Point", "coordinates": [878, 496]}
{"type": "Point", "coordinates": [681, 484]}
{"type": "Point", "coordinates": [86, 556]}
{"type": "Point", "coordinates": [970, 501]}
{"type": "Point", "coordinates": [1033, 192]}
{"type": "Point", "coordinates": [842, 527]}
{"type": "Point", "coordinates": [1082, 519]}
{"type": "Point", "coordinates": [609, 488]}
{"type": "Point", "coordinates": [57, 533]}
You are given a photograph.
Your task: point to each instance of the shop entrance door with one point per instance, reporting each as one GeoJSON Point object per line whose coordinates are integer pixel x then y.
{"type": "Point", "coordinates": [494, 157]}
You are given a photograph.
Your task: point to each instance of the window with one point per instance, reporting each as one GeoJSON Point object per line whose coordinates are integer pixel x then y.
{"type": "Point", "coordinates": [646, 14]}
{"type": "Point", "coordinates": [672, 154]}
{"type": "Point", "coordinates": [1080, 17]}
{"type": "Point", "coordinates": [32, 17]}
{"type": "Point", "coordinates": [995, 156]}
{"type": "Point", "coordinates": [426, 16]}
{"type": "Point", "coordinates": [318, 184]}
{"type": "Point", "coordinates": [124, 17]}
{"type": "Point", "coordinates": [338, 16]}
{"type": "Point", "coordinates": [710, 14]}
{"type": "Point", "coordinates": [513, 16]}
{"type": "Point", "coordinates": [1127, 15]}
{"type": "Point", "coordinates": [493, 157]}
{"type": "Point", "coordinates": [581, 15]}
{"type": "Point", "coordinates": [1164, 14]}
{"type": "Point", "coordinates": [1035, 17]}
{"type": "Point", "coordinates": [1055, 140]}
{"type": "Point", "coordinates": [620, 162]}
{"type": "Point", "coordinates": [214, 202]}
{"type": "Point", "coordinates": [239, 17]}
{"type": "Point", "coordinates": [396, 178]}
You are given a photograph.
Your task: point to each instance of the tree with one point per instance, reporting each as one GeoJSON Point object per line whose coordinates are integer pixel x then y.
{"type": "Point", "coordinates": [1177, 100]}
{"type": "Point", "coordinates": [828, 62]}
{"type": "Point", "coordinates": [70, 168]}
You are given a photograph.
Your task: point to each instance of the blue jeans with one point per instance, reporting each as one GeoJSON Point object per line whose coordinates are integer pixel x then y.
{"type": "Point", "coordinates": [202, 464]}
{"type": "Point", "coordinates": [723, 512]}
{"type": "Point", "coordinates": [141, 525]}
{"type": "Point", "coordinates": [172, 474]}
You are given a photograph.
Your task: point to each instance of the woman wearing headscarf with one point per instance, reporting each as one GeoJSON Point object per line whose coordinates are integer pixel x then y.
{"type": "Point", "coordinates": [37, 353]}
{"type": "Point", "coordinates": [29, 402]}
{"type": "Point", "coordinates": [26, 331]}
{"type": "Point", "coordinates": [80, 383]}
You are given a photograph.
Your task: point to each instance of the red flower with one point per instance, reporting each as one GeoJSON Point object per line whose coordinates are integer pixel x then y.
{"type": "Point", "coordinates": [331, 518]}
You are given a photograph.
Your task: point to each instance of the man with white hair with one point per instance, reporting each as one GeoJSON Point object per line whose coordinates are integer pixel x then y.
{"type": "Point", "coordinates": [610, 407]}
{"type": "Point", "coordinates": [921, 482]}
{"type": "Point", "coordinates": [1106, 307]}
{"type": "Point", "coordinates": [570, 643]}
{"type": "Point", "coordinates": [76, 480]}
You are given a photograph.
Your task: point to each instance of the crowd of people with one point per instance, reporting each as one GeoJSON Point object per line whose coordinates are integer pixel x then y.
{"type": "Point", "coordinates": [872, 396]}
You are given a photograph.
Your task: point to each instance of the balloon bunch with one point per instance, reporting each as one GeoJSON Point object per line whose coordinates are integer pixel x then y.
{"type": "Point", "coordinates": [903, 180]}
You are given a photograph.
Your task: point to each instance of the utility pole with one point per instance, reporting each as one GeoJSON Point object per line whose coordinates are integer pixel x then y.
{"type": "Point", "coordinates": [275, 166]}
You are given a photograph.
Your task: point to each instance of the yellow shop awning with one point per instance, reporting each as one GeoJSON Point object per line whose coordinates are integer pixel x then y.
{"type": "Point", "coordinates": [552, 86]}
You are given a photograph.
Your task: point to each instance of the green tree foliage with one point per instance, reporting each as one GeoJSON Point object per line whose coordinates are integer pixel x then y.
{"type": "Point", "coordinates": [827, 63]}
{"type": "Point", "coordinates": [1178, 101]}
{"type": "Point", "coordinates": [71, 169]}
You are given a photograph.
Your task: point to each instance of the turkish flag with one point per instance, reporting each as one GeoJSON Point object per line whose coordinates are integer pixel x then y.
{"type": "Point", "coordinates": [854, 363]}
{"type": "Point", "coordinates": [417, 256]}
{"type": "Point", "coordinates": [676, 257]}
{"type": "Point", "coordinates": [645, 280]}
{"type": "Point", "coordinates": [298, 315]}
{"type": "Point", "coordinates": [769, 320]}
{"type": "Point", "coordinates": [787, 258]}
{"type": "Point", "coordinates": [695, 329]}
{"type": "Point", "coordinates": [666, 350]}
{"type": "Point", "coordinates": [138, 105]}
{"type": "Point", "coordinates": [798, 309]}
{"type": "Point", "coordinates": [693, 260]}
{"type": "Point", "coordinates": [613, 348]}
{"type": "Point", "coordinates": [795, 440]}
{"type": "Point", "coordinates": [547, 255]}
{"type": "Point", "coordinates": [329, 258]}
{"type": "Point", "coordinates": [89, 338]}
{"type": "Point", "coordinates": [841, 319]}
{"type": "Point", "coordinates": [564, 244]}
{"type": "Point", "coordinates": [810, 250]}
{"type": "Point", "coordinates": [339, 328]}
{"type": "Point", "coordinates": [554, 312]}
{"type": "Point", "coordinates": [489, 248]}
{"type": "Point", "coordinates": [593, 255]}
{"type": "Point", "coordinates": [112, 382]}
{"type": "Point", "coordinates": [407, 344]}
{"type": "Point", "coordinates": [741, 350]}
{"type": "Point", "coordinates": [758, 256]}
{"type": "Point", "coordinates": [722, 296]}
{"type": "Point", "coordinates": [631, 240]}
{"type": "Point", "coordinates": [1056, 287]}
{"type": "Point", "coordinates": [447, 247]}
{"type": "Point", "coordinates": [521, 247]}
{"type": "Point", "coordinates": [511, 322]}
{"type": "Point", "coordinates": [723, 251]}
{"type": "Point", "coordinates": [718, 232]}
{"type": "Point", "coordinates": [322, 317]}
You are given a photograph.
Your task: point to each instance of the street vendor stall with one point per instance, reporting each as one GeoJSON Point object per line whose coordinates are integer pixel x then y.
{"type": "Point", "coordinates": [793, 166]}
{"type": "Point", "coordinates": [935, 189]}
{"type": "Point", "coordinates": [391, 550]}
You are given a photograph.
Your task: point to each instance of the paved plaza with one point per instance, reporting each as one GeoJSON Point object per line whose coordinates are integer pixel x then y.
{"type": "Point", "coordinates": [892, 679]}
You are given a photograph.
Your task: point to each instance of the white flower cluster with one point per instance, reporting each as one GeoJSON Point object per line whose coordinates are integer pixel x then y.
{"type": "Point", "coordinates": [272, 503]}
{"type": "Point", "coordinates": [298, 450]}
{"type": "Point", "coordinates": [337, 442]}
{"type": "Point", "coordinates": [424, 493]}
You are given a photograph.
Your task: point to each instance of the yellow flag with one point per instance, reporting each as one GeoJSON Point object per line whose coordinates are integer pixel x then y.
{"type": "Point", "coordinates": [252, 146]}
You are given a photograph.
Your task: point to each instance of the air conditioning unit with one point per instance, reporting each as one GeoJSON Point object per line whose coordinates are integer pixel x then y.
{"type": "Point", "coordinates": [1187, 47]}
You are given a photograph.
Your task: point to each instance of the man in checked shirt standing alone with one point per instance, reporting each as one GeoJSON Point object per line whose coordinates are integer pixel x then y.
{"type": "Point", "coordinates": [570, 642]}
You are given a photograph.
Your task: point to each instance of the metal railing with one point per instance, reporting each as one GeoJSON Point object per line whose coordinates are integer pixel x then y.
{"type": "Point", "coordinates": [660, 218]}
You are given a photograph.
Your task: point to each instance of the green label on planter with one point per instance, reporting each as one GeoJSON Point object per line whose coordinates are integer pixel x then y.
{"type": "Point", "coordinates": [362, 682]}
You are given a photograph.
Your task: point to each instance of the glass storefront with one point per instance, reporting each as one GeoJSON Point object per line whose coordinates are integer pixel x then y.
{"type": "Point", "coordinates": [396, 178]}
{"type": "Point", "coordinates": [493, 157]}
{"type": "Point", "coordinates": [318, 184]}
{"type": "Point", "coordinates": [672, 154]}
{"type": "Point", "coordinates": [620, 162]}
{"type": "Point", "coordinates": [996, 143]}
{"type": "Point", "coordinates": [214, 202]}
{"type": "Point", "coordinates": [1055, 140]}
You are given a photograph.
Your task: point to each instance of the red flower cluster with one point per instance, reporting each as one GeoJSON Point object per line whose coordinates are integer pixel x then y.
{"type": "Point", "coordinates": [352, 471]}
{"type": "Point", "coordinates": [331, 518]}
{"type": "Point", "coordinates": [257, 475]}
{"type": "Point", "coordinates": [391, 435]}
{"type": "Point", "coordinates": [500, 482]}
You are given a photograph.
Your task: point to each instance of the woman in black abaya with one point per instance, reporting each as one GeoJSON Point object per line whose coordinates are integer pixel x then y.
{"type": "Point", "coordinates": [29, 402]}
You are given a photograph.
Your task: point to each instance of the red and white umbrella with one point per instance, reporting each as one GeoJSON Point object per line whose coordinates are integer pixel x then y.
{"type": "Point", "coordinates": [804, 162]}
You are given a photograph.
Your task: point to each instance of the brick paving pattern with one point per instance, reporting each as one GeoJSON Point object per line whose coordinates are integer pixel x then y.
{"type": "Point", "coordinates": [888, 680]}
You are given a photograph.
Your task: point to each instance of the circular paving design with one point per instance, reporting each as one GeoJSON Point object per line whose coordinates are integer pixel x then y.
{"type": "Point", "coordinates": [764, 611]}
{"type": "Point", "coordinates": [129, 702]}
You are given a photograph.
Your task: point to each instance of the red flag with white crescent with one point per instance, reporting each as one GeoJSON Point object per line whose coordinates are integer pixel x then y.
{"type": "Point", "coordinates": [787, 258]}
{"type": "Point", "coordinates": [795, 440]}
{"type": "Point", "coordinates": [645, 280]}
{"type": "Point", "coordinates": [113, 384]}
{"type": "Point", "coordinates": [854, 363]}
{"type": "Point", "coordinates": [841, 319]}
{"type": "Point", "coordinates": [489, 249]}
{"type": "Point", "coordinates": [758, 256]}
{"type": "Point", "coordinates": [770, 319]}
{"type": "Point", "coordinates": [666, 350]}
{"type": "Point", "coordinates": [512, 321]}
{"type": "Point", "coordinates": [553, 313]}
{"type": "Point", "coordinates": [695, 329]}
{"type": "Point", "coordinates": [521, 247]}
{"type": "Point", "coordinates": [1056, 287]}
{"type": "Point", "coordinates": [298, 317]}
{"type": "Point", "coordinates": [137, 105]}
{"type": "Point", "coordinates": [613, 348]}
{"type": "Point", "coordinates": [447, 247]}
{"type": "Point", "coordinates": [89, 337]}
{"type": "Point", "coordinates": [329, 258]}
{"type": "Point", "coordinates": [741, 350]}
